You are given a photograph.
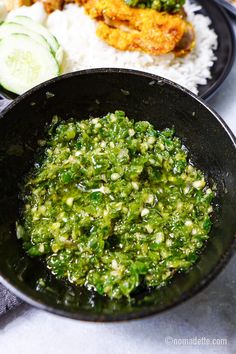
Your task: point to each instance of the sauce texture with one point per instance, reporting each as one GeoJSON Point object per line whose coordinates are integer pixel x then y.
{"type": "Point", "coordinates": [112, 203]}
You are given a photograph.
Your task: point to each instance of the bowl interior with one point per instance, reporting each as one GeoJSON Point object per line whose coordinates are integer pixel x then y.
{"type": "Point", "coordinates": [142, 97]}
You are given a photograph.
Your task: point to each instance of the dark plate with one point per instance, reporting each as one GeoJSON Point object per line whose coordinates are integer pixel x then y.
{"type": "Point", "coordinates": [225, 52]}
{"type": "Point", "coordinates": [231, 8]}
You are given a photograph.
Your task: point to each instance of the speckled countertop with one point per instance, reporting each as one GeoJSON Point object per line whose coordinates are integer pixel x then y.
{"type": "Point", "coordinates": [208, 317]}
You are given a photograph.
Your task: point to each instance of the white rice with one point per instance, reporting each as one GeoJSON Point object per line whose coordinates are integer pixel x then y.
{"type": "Point", "coordinates": [76, 32]}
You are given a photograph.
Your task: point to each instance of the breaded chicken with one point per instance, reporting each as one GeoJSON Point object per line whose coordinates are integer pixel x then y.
{"type": "Point", "coordinates": [127, 28]}
{"type": "Point", "coordinates": [14, 4]}
{"type": "Point", "coordinates": [52, 5]}
{"type": "Point", "coordinates": [146, 30]}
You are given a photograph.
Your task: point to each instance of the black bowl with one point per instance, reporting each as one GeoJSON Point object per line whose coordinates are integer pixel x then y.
{"type": "Point", "coordinates": [142, 97]}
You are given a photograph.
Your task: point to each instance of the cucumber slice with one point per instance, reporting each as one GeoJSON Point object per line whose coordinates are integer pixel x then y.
{"type": "Point", "coordinates": [38, 28]}
{"type": "Point", "coordinates": [8, 28]}
{"type": "Point", "coordinates": [59, 55]}
{"type": "Point", "coordinates": [25, 63]}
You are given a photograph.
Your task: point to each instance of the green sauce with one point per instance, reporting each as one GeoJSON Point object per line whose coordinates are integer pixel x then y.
{"type": "Point", "coordinates": [112, 203]}
{"type": "Point", "coordinates": [159, 5]}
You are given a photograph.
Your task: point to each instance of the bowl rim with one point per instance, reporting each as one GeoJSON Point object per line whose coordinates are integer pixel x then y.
{"type": "Point", "coordinates": [223, 260]}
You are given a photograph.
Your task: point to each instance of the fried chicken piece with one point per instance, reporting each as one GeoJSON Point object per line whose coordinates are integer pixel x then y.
{"type": "Point", "coordinates": [146, 30]}
{"type": "Point", "coordinates": [49, 5]}
{"type": "Point", "coordinates": [127, 28]}
{"type": "Point", "coordinates": [13, 4]}
{"type": "Point", "coordinates": [187, 42]}
{"type": "Point", "coordinates": [52, 5]}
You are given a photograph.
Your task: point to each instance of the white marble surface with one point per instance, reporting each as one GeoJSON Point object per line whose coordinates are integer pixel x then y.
{"type": "Point", "coordinates": [210, 314]}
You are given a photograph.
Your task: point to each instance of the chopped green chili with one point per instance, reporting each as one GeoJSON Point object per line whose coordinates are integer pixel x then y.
{"type": "Point", "coordinates": [112, 203]}
{"type": "Point", "coordinates": [159, 5]}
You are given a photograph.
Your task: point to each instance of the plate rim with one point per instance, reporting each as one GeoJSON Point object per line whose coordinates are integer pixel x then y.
{"type": "Point", "coordinates": [228, 6]}
{"type": "Point", "coordinates": [211, 91]}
